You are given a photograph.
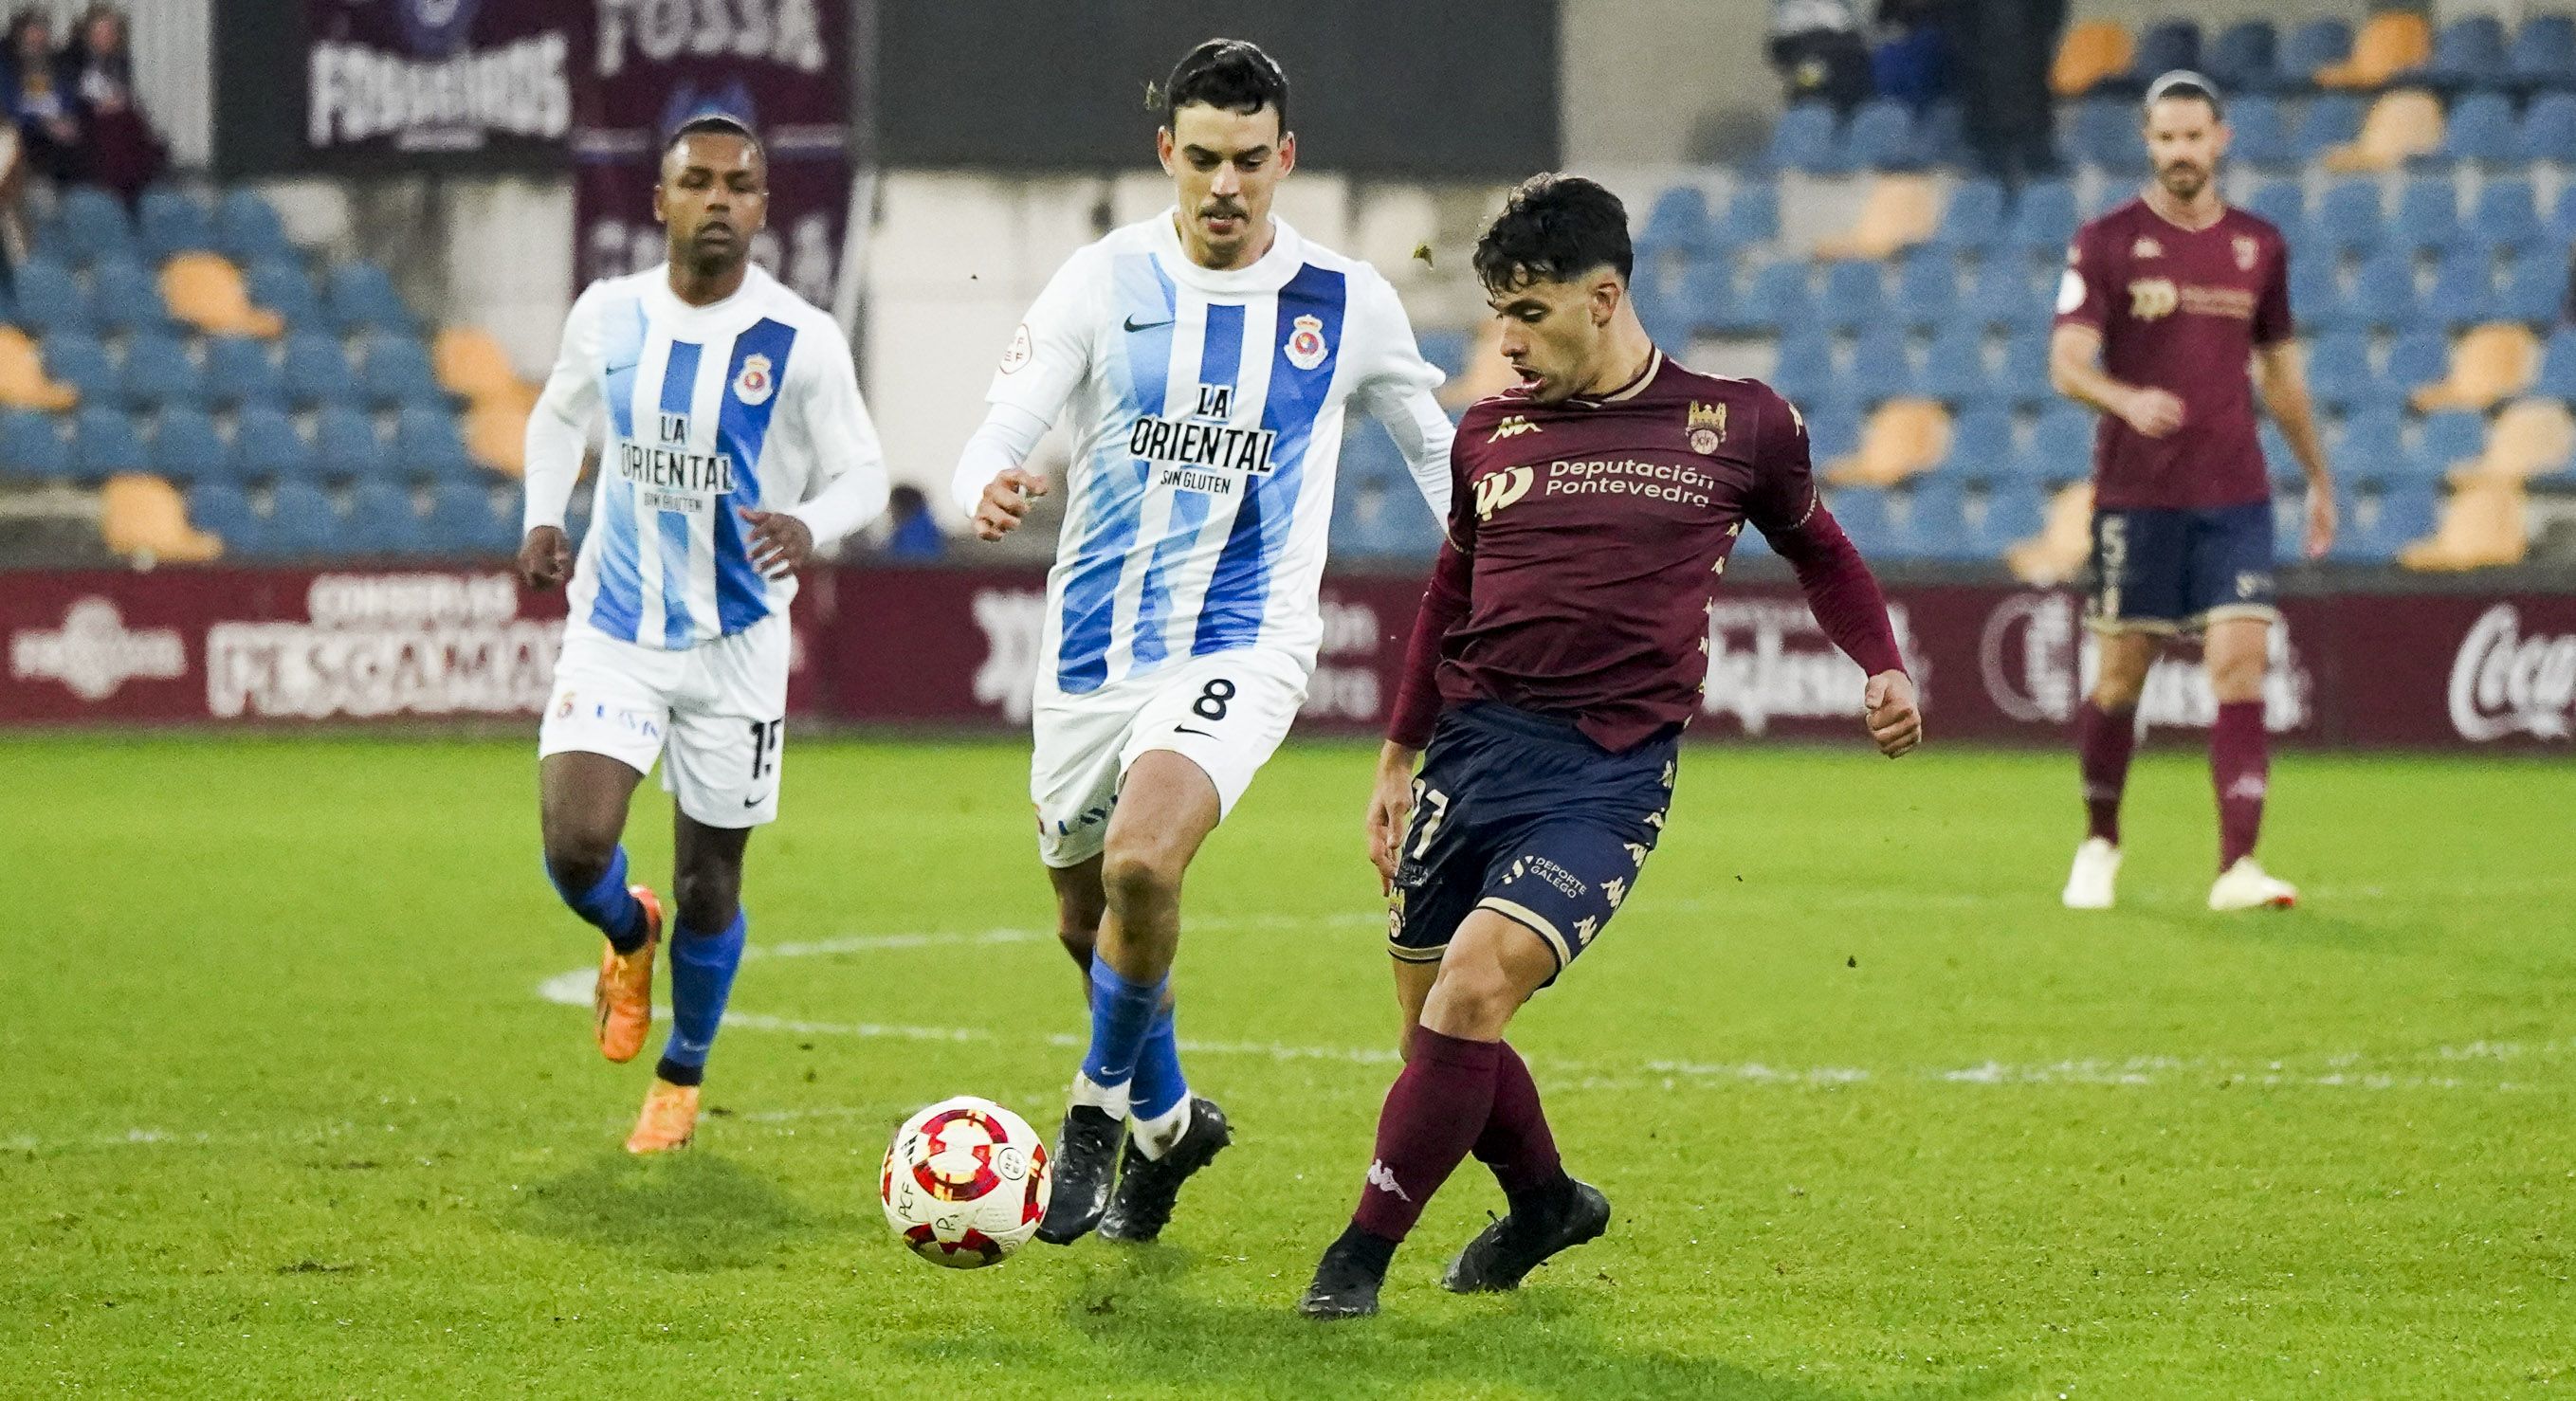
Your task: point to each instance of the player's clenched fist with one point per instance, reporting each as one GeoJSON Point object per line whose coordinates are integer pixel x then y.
{"type": "Point", "coordinates": [2153, 412]}
{"type": "Point", "coordinates": [1895, 721]}
{"type": "Point", "coordinates": [1006, 500]}
{"type": "Point", "coordinates": [545, 557]}
{"type": "Point", "coordinates": [780, 543]}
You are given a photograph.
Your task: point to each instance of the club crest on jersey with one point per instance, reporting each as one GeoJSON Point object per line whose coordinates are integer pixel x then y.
{"type": "Point", "coordinates": [2246, 251]}
{"type": "Point", "coordinates": [1707, 425]}
{"type": "Point", "coordinates": [755, 383]}
{"type": "Point", "coordinates": [1502, 489]}
{"type": "Point", "coordinates": [2146, 248]}
{"type": "Point", "coordinates": [1305, 348]}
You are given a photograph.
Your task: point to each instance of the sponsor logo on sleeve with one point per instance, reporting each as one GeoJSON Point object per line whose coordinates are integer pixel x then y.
{"type": "Point", "coordinates": [1016, 355]}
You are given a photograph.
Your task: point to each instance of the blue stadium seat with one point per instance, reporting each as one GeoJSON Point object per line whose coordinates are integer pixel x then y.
{"type": "Point", "coordinates": [2362, 442]}
{"type": "Point", "coordinates": [1934, 523]}
{"type": "Point", "coordinates": [1880, 137]}
{"type": "Point", "coordinates": [2331, 120]}
{"type": "Point", "coordinates": [1803, 140]}
{"type": "Point", "coordinates": [361, 297]}
{"type": "Point", "coordinates": [426, 441]}
{"type": "Point", "coordinates": [1707, 297]}
{"type": "Point", "coordinates": [345, 444]}
{"type": "Point", "coordinates": [1446, 349]}
{"type": "Point", "coordinates": [2534, 292]}
{"type": "Point", "coordinates": [1855, 296]}
{"type": "Point", "coordinates": [2284, 205]}
{"type": "Point", "coordinates": [1881, 368]}
{"type": "Point", "coordinates": [2428, 214]}
{"type": "Point", "coordinates": [2506, 217]}
{"type": "Point", "coordinates": [240, 372]}
{"type": "Point", "coordinates": [50, 299]}
{"type": "Point", "coordinates": [316, 371]}
{"type": "Point", "coordinates": [461, 521]}
{"type": "Point", "coordinates": [1864, 516]}
{"type": "Point", "coordinates": [2452, 437]}
{"type": "Point", "coordinates": [383, 521]}
{"type": "Point", "coordinates": [2013, 513]}
{"type": "Point", "coordinates": [1833, 426]}
{"type": "Point", "coordinates": [2383, 292]}
{"type": "Point", "coordinates": [1981, 444]}
{"type": "Point", "coordinates": [2562, 218]}
{"type": "Point", "coordinates": [2548, 131]}
{"type": "Point", "coordinates": [125, 296]}
{"type": "Point", "coordinates": [2316, 294]}
{"type": "Point", "coordinates": [174, 222]}
{"type": "Point", "coordinates": [158, 372]}
{"type": "Point", "coordinates": [2406, 514]}
{"type": "Point", "coordinates": [2481, 128]}
{"type": "Point", "coordinates": [2543, 53]}
{"type": "Point", "coordinates": [2000, 294]}
{"type": "Point", "coordinates": [2314, 45]}
{"type": "Point", "coordinates": [2061, 447]}
{"type": "Point", "coordinates": [2024, 378]}
{"type": "Point", "coordinates": [280, 285]}
{"type": "Point", "coordinates": [2347, 216]}
{"type": "Point", "coordinates": [248, 231]}
{"type": "Point", "coordinates": [2558, 365]}
{"type": "Point", "coordinates": [2164, 46]}
{"type": "Point", "coordinates": [2103, 131]}
{"type": "Point", "coordinates": [90, 225]}
{"type": "Point", "coordinates": [2245, 58]}
{"type": "Point", "coordinates": [2262, 131]}
{"type": "Point", "coordinates": [301, 521]}
{"type": "Point", "coordinates": [1973, 217]}
{"type": "Point", "coordinates": [78, 359]}
{"type": "Point", "coordinates": [2339, 373]}
{"type": "Point", "coordinates": [2280, 464]}
{"type": "Point", "coordinates": [31, 445]}
{"type": "Point", "coordinates": [2043, 219]}
{"type": "Point", "coordinates": [222, 509]}
{"type": "Point", "coordinates": [1941, 135]}
{"type": "Point", "coordinates": [1679, 221]}
{"type": "Point", "coordinates": [2467, 52]}
{"type": "Point", "coordinates": [186, 447]}
{"type": "Point", "coordinates": [398, 374]}
{"type": "Point", "coordinates": [1778, 297]}
{"type": "Point", "coordinates": [1926, 294]}
{"type": "Point", "coordinates": [2463, 290]}
{"type": "Point", "coordinates": [265, 444]}
{"type": "Point", "coordinates": [105, 441]}
{"type": "Point", "coordinates": [1954, 368]}
{"type": "Point", "coordinates": [2417, 358]}
{"type": "Point", "coordinates": [1805, 366]}
{"type": "Point", "coordinates": [1752, 216]}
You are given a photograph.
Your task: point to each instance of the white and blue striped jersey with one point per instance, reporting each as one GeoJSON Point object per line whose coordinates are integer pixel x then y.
{"type": "Point", "coordinates": [696, 412]}
{"type": "Point", "coordinates": [1207, 416]}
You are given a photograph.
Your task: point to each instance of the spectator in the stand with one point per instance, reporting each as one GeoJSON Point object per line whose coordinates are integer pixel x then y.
{"type": "Point", "coordinates": [910, 531]}
{"type": "Point", "coordinates": [37, 99]}
{"type": "Point", "coordinates": [1818, 48]}
{"type": "Point", "coordinates": [1910, 60]}
{"type": "Point", "coordinates": [2003, 49]}
{"type": "Point", "coordinates": [123, 153]}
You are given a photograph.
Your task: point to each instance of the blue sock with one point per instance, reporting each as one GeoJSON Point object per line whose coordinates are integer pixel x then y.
{"type": "Point", "coordinates": [702, 968]}
{"type": "Point", "coordinates": [1122, 1015]}
{"type": "Point", "coordinates": [607, 904]}
{"type": "Point", "coordinates": [1158, 1085]}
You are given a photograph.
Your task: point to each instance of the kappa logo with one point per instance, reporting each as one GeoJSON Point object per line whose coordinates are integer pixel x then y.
{"type": "Point", "coordinates": [756, 382]}
{"type": "Point", "coordinates": [2253, 583]}
{"type": "Point", "coordinates": [1382, 1178]}
{"type": "Point", "coordinates": [2153, 298]}
{"type": "Point", "coordinates": [1512, 427]}
{"type": "Point", "coordinates": [1305, 348]}
{"type": "Point", "coordinates": [1501, 489]}
{"type": "Point", "coordinates": [2146, 248]}
{"type": "Point", "coordinates": [2247, 250]}
{"type": "Point", "coordinates": [1707, 425]}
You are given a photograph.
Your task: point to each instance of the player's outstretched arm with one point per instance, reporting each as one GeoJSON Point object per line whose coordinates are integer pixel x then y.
{"type": "Point", "coordinates": [2281, 377]}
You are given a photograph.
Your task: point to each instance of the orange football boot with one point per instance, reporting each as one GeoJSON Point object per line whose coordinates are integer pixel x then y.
{"type": "Point", "coordinates": [621, 1002]}
{"type": "Point", "coordinates": [669, 1121]}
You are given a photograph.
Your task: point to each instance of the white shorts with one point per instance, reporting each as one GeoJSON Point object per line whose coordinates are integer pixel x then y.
{"type": "Point", "coordinates": [1225, 712]}
{"type": "Point", "coordinates": [717, 711]}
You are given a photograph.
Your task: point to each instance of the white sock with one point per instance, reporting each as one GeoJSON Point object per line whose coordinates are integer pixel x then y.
{"type": "Point", "coordinates": [1154, 1137]}
{"type": "Point", "coordinates": [1108, 1099]}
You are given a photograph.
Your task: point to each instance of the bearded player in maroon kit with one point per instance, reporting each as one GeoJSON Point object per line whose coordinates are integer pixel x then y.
{"type": "Point", "coordinates": [1562, 646]}
{"type": "Point", "coordinates": [2165, 301]}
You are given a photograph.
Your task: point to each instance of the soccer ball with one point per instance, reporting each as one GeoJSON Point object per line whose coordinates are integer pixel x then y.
{"type": "Point", "coordinates": [965, 1183]}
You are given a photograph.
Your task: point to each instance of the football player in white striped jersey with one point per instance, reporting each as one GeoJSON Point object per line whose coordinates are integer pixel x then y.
{"type": "Point", "coordinates": [733, 449]}
{"type": "Point", "coordinates": [1208, 356]}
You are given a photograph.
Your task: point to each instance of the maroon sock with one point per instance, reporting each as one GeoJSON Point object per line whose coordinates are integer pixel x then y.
{"type": "Point", "coordinates": [2240, 767]}
{"type": "Point", "coordinates": [1432, 1117]}
{"type": "Point", "coordinates": [2104, 739]}
{"type": "Point", "coordinates": [1516, 1143]}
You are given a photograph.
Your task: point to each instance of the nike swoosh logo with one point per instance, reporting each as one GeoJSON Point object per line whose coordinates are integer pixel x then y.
{"type": "Point", "coordinates": [1135, 325]}
{"type": "Point", "coordinates": [755, 802]}
{"type": "Point", "coordinates": [1188, 730]}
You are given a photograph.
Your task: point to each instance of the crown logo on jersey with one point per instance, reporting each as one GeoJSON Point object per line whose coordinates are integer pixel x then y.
{"type": "Point", "coordinates": [1707, 425]}
{"type": "Point", "coordinates": [755, 384]}
{"type": "Point", "coordinates": [1305, 348]}
{"type": "Point", "coordinates": [1512, 427]}
{"type": "Point", "coordinates": [2246, 252]}
{"type": "Point", "coordinates": [2146, 248]}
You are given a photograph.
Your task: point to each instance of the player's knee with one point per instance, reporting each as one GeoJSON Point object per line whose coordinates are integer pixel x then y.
{"type": "Point", "coordinates": [1473, 998]}
{"type": "Point", "coordinates": [709, 896]}
{"type": "Point", "coordinates": [577, 861]}
{"type": "Point", "coordinates": [2237, 679]}
{"type": "Point", "coordinates": [1140, 875]}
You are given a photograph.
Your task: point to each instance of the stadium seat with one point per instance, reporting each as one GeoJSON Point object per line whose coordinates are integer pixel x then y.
{"type": "Point", "coordinates": [1973, 217]}
{"type": "Point", "coordinates": [1932, 522]}
{"type": "Point", "coordinates": [301, 521]}
{"type": "Point", "coordinates": [2061, 447]}
{"type": "Point", "coordinates": [1855, 296]}
{"type": "Point", "coordinates": [2316, 293]}
{"type": "Point", "coordinates": [2315, 46]}
{"type": "Point", "coordinates": [265, 444]}
{"type": "Point", "coordinates": [1926, 295]}
{"type": "Point", "coordinates": [2558, 365]}
{"type": "Point", "coordinates": [2468, 52]}
{"type": "Point", "coordinates": [90, 225]}
{"type": "Point", "coordinates": [207, 292]}
{"type": "Point", "coordinates": [281, 286]}
{"type": "Point", "coordinates": [2043, 218]}
{"type": "Point", "coordinates": [1833, 426]}
{"type": "Point", "coordinates": [1752, 216]}
{"type": "Point", "coordinates": [159, 373]}
{"type": "Point", "coordinates": [1981, 444]}
{"type": "Point", "coordinates": [361, 297]}
{"type": "Point", "coordinates": [2065, 539]}
{"type": "Point", "coordinates": [1882, 367]}
{"type": "Point", "coordinates": [2482, 526]}
{"type": "Point", "coordinates": [2403, 514]}
{"type": "Point", "coordinates": [2531, 438]}
{"type": "Point", "coordinates": [1804, 366]}
{"type": "Point", "coordinates": [2339, 371]}
{"type": "Point", "coordinates": [221, 510]}
{"type": "Point", "coordinates": [2011, 514]}
{"type": "Point", "coordinates": [2284, 205]}
{"type": "Point", "coordinates": [2348, 217]}
{"type": "Point", "coordinates": [1777, 297]}
{"type": "Point", "coordinates": [2364, 440]}
{"type": "Point", "coordinates": [49, 299]}
{"type": "Point", "coordinates": [426, 442]}
{"type": "Point", "coordinates": [239, 372]}
{"type": "Point", "coordinates": [2390, 43]}
{"type": "Point", "coordinates": [316, 371]}
{"type": "Point", "coordinates": [461, 521]}
{"type": "Point", "coordinates": [23, 381]}
{"type": "Point", "coordinates": [124, 296]}
{"type": "Point", "coordinates": [2245, 58]}
{"type": "Point", "coordinates": [186, 447]}
{"type": "Point", "coordinates": [2000, 294]}
{"type": "Point", "coordinates": [2534, 292]}
{"type": "Point", "coordinates": [345, 444]}
{"type": "Point", "coordinates": [1678, 222]}
{"type": "Point", "coordinates": [1954, 367]}
{"type": "Point", "coordinates": [144, 518]}
{"type": "Point", "coordinates": [2162, 47]}
{"type": "Point", "coordinates": [2548, 130]}
{"type": "Point", "coordinates": [2463, 290]}
{"type": "Point", "coordinates": [383, 521]}
{"type": "Point", "coordinates": [2103, 131]}
{"type": "Point", "coordinates": [1880, 137]}
{"type": "Point", "coordinates": [1898, 212]}
{"type": "Point", "coordinates": [2383, 292]}
{"type": "Point", "coordinates": [2480, 128]}
{"type": "Point", "coordinates": [247, 229]}
{"type": "Point", "coordinates": [1707, 300]}
{"type": "Point", "coordinates": [80, 360]}
{"type": "Point", "coordinates": [1803, 140]}
{"type": "Point", "coordinates": [397, 374]}
{"type": "Point", "coordinates": [1862, 512]}
{"type": "Point", "coordinates": [1902, 438]}
{"type": "Point", "coordinates": [2417, 358]}
{"type": "Point", "coordinates": [2452, 440]}
{"type": "Point", "coordinates": [2506, 217]}
{"type": "Point", "coordinates": [496, 436]}
{"type": "Point", "coordinates": [2262, 132]}
{"type": "Point", "coordinates": [2024, 378]}
{"type": "Point", "coordinates": [2401, 126]}
{"type": "Point", "coordinates": [2093, 51]}
{"type": "Point", "coordinates": [104, 443]}
{"type": "Point", "coordinates": [1941, 135]}
{"type": "Point", "coordinates": [31, 445]}
{"type": "Point", "coordinates": [2328, 122]}
{"type": "Point", "coordinates": [172, 223]}
{"type": "Point", "coordinates": [2543, 53]}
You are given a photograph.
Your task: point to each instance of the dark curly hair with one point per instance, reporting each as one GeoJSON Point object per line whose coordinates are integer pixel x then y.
{"type": "Point", "coordinates": [1554, 228]}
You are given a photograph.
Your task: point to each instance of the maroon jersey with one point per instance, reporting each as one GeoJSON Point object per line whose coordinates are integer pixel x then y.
{"type": "Point", "coordinates": [1586, 541]}
{"type": "Point", "coordinates": [2180, 310]}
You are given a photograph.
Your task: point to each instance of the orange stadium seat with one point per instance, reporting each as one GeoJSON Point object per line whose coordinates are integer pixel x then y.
{"type": "Point", "coordinates": [142, 515]}
{"type": "Point", "coordinates": [2057, 553]}
{"type": "Point", "coordinates": [2401, 126]}
{"type": "Point", "coordinates": [471, 363]}
{"type": "Point", "coordinates": [2481, 526]}
{"type": "Point", "coordinates": [496, 435]}
{"type": "Point", "coordinates": [206, 291]}
{"type": "Point", "coordinates": [1898, 212]}
{"type": "Point", "coordinates": [2391, 43]}
{"type": "Point", "coordinates": [23, 381]}
{"type": "Point", "coordinates": [2093, 50]}
{"type": "Point", "coordinates": [2491, 364]}
{"type": "Point", "coordinates": [2533, 438]}
{"type": "Point", "coordinates": [1904, 438]}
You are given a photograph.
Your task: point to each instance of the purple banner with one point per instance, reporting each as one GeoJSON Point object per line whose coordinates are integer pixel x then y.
{"type": "Point", "coordinates": [783, 66]}
{"type": "Point", "coordinates": [487, 78]}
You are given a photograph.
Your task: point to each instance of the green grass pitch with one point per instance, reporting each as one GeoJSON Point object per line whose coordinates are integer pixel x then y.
{"type": "Point", "coordinates": [282, 1112]}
